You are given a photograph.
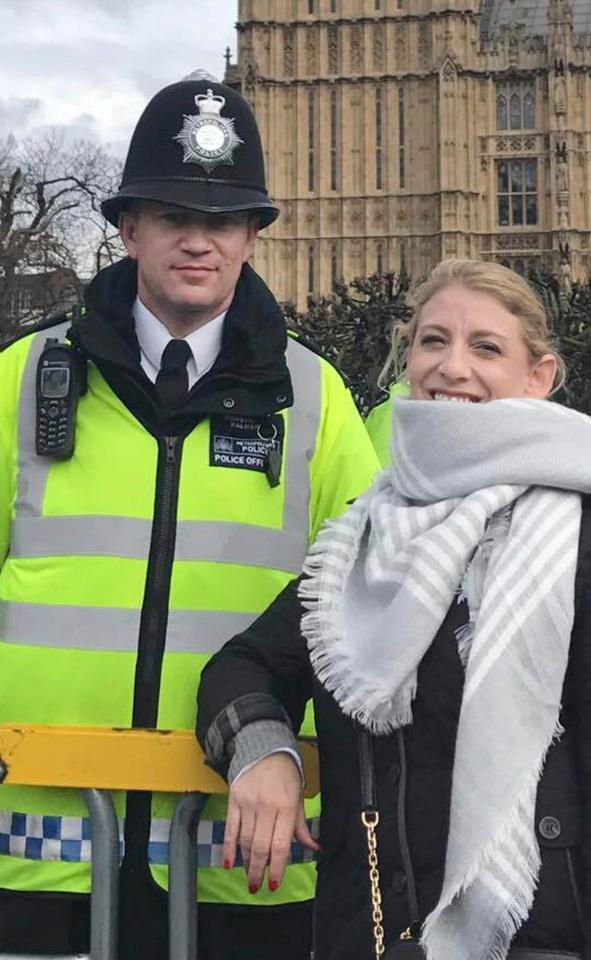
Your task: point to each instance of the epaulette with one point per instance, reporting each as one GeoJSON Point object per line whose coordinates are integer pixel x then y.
{"type": "Point", "coordinates": [311, 345]}
{"type": "Point", "coordinates": [46, 324]}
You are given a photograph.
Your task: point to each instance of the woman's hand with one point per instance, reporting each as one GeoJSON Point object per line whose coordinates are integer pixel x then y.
{"type": "Point", "coordinates": [265, 811]}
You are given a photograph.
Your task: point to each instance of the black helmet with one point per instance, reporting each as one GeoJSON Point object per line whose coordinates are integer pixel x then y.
{"type": "Point", "coordinates": [196, 145]}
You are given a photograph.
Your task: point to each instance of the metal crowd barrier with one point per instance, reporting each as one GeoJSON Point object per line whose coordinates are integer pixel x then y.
{"type": "Point", "coordinates": [96, 760]}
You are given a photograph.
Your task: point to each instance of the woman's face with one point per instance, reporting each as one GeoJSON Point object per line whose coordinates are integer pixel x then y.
{"type": "Point", "coordinates": [468, 347]}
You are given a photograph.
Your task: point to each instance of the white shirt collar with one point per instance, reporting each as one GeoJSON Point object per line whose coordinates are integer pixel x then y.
{"type": "Point", "coordinates": [153, 337]}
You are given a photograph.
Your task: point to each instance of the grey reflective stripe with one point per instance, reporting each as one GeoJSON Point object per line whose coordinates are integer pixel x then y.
{"type": "Point", "coordinates": [304, 420]}
{"type": "Point", "coordinates": [130, 538]}
{"type": "Point", "coordinates": [32, 470]}
{"type": "Point", "coordinates": [104, 628]}
{"type": "Point", "coordinates": [36, 536]}
{"type": "Point", "coordinates": [115, 629]}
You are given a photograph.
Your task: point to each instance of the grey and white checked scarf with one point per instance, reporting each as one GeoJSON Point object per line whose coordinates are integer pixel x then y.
{"type": "Point", "coordinates": [381, 579]}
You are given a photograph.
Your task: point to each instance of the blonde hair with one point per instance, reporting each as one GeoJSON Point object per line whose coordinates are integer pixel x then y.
{"type": "Point", "coordinates": [505, 286]}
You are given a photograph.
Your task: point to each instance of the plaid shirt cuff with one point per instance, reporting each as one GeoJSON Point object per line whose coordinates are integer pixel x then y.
{"type": "Point", "coordinates": [219, 741]}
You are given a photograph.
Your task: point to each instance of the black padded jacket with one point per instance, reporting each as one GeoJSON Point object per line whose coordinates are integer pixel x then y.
{"type": "Point", "coordinates": [268, 663]}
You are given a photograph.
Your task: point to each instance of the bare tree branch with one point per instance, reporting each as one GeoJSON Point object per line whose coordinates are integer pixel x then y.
{"type": "Point", "coordinates": [50, 224]}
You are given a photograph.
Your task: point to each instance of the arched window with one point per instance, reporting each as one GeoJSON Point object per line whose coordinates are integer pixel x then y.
{"type": "Point", "coordinates": [403, 256]}
{"type": "Point", "coordinates": [310, 139]}
{"type": "Point", "coordinates": [515, 112]}
{"type": "Point", "coordinates": [380, 257]}
{"type": "Point", "coordinates": [501, 112]}
{"type": "Point", "coordinates": [333, 6]}
{"type": "Point", "coordinates": [334, 265]}
{"type": "Point", "coordinates": [333, 140]}
{"type": "Point", "coordinates": [516, 105]}
{"type": "Point", "coordinates": [379, 138]}
{"type": "Point", "coordinates": [401, 139]}
{"type": "Point", "coordinates": [311, 269]}
{"type": "Point", "coordinates": [310, 6]}
{"type": "Point", "coordinates": [529, 112]}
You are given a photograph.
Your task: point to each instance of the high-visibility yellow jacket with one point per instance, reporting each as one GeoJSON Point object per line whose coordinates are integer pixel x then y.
{"type": "Point", "coordinates": [124, 568]}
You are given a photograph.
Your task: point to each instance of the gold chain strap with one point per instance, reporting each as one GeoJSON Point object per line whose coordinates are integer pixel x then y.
{"type": "Point", "coordinates": [370, 822]}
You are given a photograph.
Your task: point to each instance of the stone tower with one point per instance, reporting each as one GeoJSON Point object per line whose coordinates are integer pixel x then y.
{"type": "Point", "coordinates": [399, 132]}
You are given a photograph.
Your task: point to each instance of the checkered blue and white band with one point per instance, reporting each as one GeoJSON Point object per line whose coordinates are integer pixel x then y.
{"type": "Point", "coordinates": [68, 838]}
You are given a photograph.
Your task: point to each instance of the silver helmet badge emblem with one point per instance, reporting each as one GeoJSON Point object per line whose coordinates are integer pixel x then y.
{"type": "Point", "coordinates": [207, 138]}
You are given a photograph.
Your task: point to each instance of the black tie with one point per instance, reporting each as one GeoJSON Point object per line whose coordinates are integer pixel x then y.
{"type": "Point", "coordinates": [172, 382]}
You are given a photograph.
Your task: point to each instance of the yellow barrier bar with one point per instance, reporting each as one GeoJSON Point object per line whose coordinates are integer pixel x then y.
{"type": "Point", "coordinates": [169, 761]}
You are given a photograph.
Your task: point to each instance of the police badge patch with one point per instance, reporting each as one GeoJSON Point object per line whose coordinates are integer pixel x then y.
{"type": "Point", "coordinates": [248, 443]}
{"type": "Point", "coordinates": [207, 138]}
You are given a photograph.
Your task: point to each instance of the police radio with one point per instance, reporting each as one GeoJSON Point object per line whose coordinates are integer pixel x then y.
{"type": "Point", "coordinates": [61, 376]}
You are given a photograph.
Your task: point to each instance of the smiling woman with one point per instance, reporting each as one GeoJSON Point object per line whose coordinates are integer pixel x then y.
{"type": "Point", "coordinates": [442, 627]}
{"type": "Point", "coordinates": [478, 332]}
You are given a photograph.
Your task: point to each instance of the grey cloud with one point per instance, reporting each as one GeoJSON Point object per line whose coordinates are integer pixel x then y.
{"type": "Point", "coordinates": [16, 113]}
{"type": "Point", "coordinates": [105, 60]}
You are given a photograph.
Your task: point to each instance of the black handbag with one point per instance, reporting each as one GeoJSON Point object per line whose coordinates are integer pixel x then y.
{"type": "Point", "coordinates": [408, 946]}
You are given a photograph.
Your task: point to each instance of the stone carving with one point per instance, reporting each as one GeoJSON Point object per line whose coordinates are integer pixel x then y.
{"type": "Point", "coordinates": [379, 58]}
{"type": "Point", "coordinates": [400, 44]}
{"type": "Point", "coordinates": [565, 277]}
{"type": "Point", "coordinates": [513, 35]}
{"type": "Point", "coordinates": [356, 57]}
{"type": "Point", "coordinates": [333, 48]}
{"type": "Point", "coordinates": [424, 43]}
{"type": "Point", "coordinates": [449, 71]}
{"type": "Point", "coordinates": [516, 144]}
{"type": "Point", "coordinates": [560, 94]}
{"type": "Point", "coordinates": [288, 51]}
{"type": "Point", "coordinates": [311, 50]}
{"type": "Point", "coordinates": [530, 241]}
{"type": "Point", "coordinates": [560, 11]}
{"type": "Point", "coordinates": [561, 167]}
{"type": "Point", "coordinates": [250, 77]}
{"type": "Point", "coordinates": [333, 213]}
{"type": "Point", "coordinates": [378, 214]}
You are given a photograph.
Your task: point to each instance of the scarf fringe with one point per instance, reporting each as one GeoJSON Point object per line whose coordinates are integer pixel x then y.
{"type": "Point", "coordinates": [378, 711]}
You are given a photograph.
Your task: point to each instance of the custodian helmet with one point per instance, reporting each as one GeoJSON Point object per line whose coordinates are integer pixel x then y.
{"type": "Point", "coordinates": [196, 145]}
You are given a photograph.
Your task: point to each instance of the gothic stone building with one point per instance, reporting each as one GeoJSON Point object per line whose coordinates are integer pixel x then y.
{"type": "Point", "coordinates": [399, 132]}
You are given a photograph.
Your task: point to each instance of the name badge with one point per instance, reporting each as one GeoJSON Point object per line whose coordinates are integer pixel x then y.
{"type": "Point", "coordinates": [248, 443]}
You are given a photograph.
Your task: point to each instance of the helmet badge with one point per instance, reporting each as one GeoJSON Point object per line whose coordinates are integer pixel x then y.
{"type": "Point", "coordinates": [207, 138]}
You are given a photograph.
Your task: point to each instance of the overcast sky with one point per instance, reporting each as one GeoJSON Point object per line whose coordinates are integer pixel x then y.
{"type": "Point", "coordinates": [90, 66]}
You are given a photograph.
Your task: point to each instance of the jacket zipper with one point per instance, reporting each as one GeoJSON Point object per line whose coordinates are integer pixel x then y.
{"type": "Point", "coordinates": [152, 635]}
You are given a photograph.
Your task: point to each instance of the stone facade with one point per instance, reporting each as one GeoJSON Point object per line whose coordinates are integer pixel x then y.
{"type": "Point", "coordinates": [399, 132]}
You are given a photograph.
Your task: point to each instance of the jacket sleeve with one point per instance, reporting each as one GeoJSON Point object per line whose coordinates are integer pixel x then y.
{"type": "Point", "coordinates": [580, 669]}
{"type": "Point", "coordinates": [344, 462]}
{"type": "Point", "coordinates": [263, 673]}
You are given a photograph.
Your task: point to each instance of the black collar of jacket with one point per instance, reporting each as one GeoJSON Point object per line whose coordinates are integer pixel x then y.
{"type": "Point", "coordinates": [249, 378]}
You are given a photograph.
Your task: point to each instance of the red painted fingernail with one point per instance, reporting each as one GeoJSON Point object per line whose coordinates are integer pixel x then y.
{"type": "Point", "coordinates": [273, 885]}
{"type": "Point", "coordinates": [227, 864]}
{"type": "Point", "coordinates": [252, 888]}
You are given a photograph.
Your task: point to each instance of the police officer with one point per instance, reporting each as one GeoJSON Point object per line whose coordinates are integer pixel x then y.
{"type": "Point", "coordinates": [193, 452]}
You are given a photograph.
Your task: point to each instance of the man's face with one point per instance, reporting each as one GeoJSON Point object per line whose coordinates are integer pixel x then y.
{"type": "Point", "coordinates": [188, 262]}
